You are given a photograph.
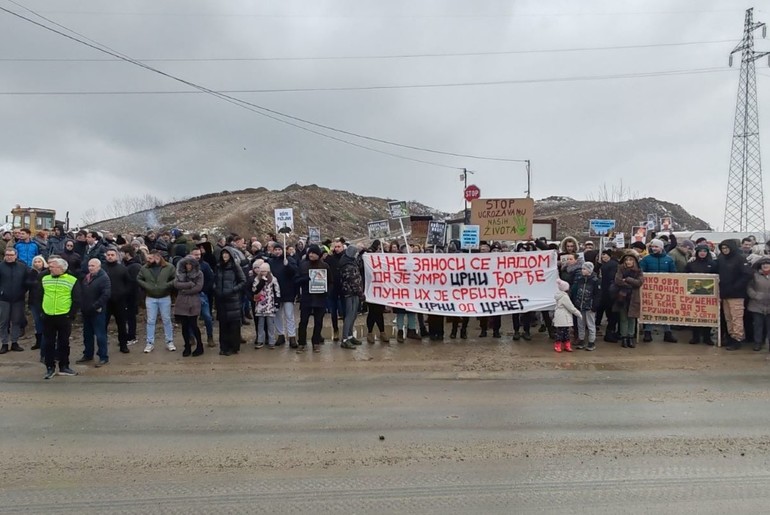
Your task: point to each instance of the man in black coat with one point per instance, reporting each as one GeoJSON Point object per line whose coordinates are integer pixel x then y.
{"type": "Point", "coordinates": [313, 281]}
{"type": "Point", "coordinates": [13, 288]}
{"type": "Point", "coordinates": [95, 292]}
{"type": "Point", "coordinates": [120, 284]}
{"type": "Point", "coordinates": [608, 267]}
{"type": "Point", "coordinates": [734, 276]}
{"type": "Point", "coordinates": [95, 249]}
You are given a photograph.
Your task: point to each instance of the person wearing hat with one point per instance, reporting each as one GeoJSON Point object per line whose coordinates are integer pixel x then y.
{"type": "Point", "coordinates": [266, 297]}
{"type": "Point", "coordinates": [585, 296]}
{"type": "Point", "coordinates": [701, 263]}
{"type": "Point", "coordinates": [640, 249]}
{"type": "Point", "coordinates": [313, 281]}
{"type": "Point", "coordinates": [658, 262]}
{"type": "Point", "coordinates": [627, 296]}
{"type": "Point", "coordinates": [562, 317]}
{"type": "Point", "coordinates": [734, 276]}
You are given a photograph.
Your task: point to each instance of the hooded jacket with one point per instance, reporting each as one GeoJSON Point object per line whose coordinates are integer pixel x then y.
{"type": "Point", "coordinates": [230, 281]}
{"type": "Point", "coordinates": [705, 265]}
{"type": "Point", "coordinates": [56, 241]}
{"type": "Point", "coordinates": [351, 281]}
{"type": "Point", "coordinates": [680, 258]}
{"type": "Point", "coordinates": [562, 315]}
{"type": "Point", "coordinates": [188, 285]}
{"type": "Point", "coordinates": [758, 289]}
{"type": "Point", "coordinates": [734, 271]}
{"type": "Point", "coordinates": [585, 292]}
{"type": "Point", "coordinates": [628, 287]}
{"type": "Point", "coordinates": [563, 245]}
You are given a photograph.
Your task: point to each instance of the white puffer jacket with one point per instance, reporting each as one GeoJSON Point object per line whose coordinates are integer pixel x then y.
{"type": "Point", "coordinates": [562, 316]}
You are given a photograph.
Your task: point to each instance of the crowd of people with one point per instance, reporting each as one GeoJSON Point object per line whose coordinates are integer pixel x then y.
{"type": "Point", "coordinates": [238, 281]}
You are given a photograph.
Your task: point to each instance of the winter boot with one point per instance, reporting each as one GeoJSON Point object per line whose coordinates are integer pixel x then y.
{"type": "Point", "coordinates": [16, 347]}
{"type": "Point", "coordinates": [527, 337]}
{"type": "Point", "coordinates": [384, 337]}
{"type": "Point", "coordinates": [624, 342]}
{"type": "Point", "coordinates": [669, 337]}
{"type": "Point", "coordinates": [198, 349]}
{"type": "Point", "coordinates": [483, 334]}
{"type": "Point", "coordinates": [557, 346]}
{"type": "Point", "coordinates": [400, 336]}
{"type": "Point", "coordinates": [631, 342]}
{"type": "Point", "coordinates": [463, 334]}
{"type": "Point", "coordinates": [210, 341]}
{"type": "Point", "coordinates": [124, 348]}
{"type": "Point", "coordinates": [496, 334]}
{"type": "Point", "coordinates": [186, 352]}
{"type": "Point", "coordinates": [370, 337]}
{"type": "Point", "coordinates": [516, 336]}
{"type": "Point", "coordinates": [412, 334]}
{"type": "Point", "coordinates": [38, 337]}
{"type": "Point", "coordinates": [647, 337]}
{"type": "Point", "coordinates": [281, 340]}
{"type": "Point", "coordinates": [568, 346]}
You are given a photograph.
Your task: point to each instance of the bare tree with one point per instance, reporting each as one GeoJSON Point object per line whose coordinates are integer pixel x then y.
{"type": "Point", "coordinates": [617, 193]}
{"type": "Point", "coordinates": [124, 206]}
{"type": "Point", "coordinates": [90, 216]}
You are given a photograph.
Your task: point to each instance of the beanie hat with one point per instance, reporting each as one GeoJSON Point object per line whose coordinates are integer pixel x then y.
{"type": "Point", "coordinates": [588, 266]}
{"type": "Point", "coordinates": [657, 243]}
{"type": "Point", "coordinates": [688, 244]}
{"type": "Point", "coordinates": [277, 245]}
{"type": "Point", "coordinates": [314, 249]}
{"type": "Point", "coordinates": [608, 252]}
{"type": "Point", "coordinates": [562, 285]}
{"type": "Point", "coordinates": [264, 267]}
{"type": "Point", "coordinates": [351, 251]}
{"type": "Point", "coordinates": [257, 263]}
{"type": "Point", "coordinates": [637, 245]}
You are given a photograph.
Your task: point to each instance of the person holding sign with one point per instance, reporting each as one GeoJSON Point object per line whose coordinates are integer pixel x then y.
{"type": "Point", "coordinates": [702, 263]}
{"type": "Point", "coordinates": [628, 298]}
{"type": "Point", "coordinates": [313, 282]}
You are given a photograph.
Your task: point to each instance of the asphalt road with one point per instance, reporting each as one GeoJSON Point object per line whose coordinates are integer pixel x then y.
{"type": "Point", "coordinates": [247, 441]}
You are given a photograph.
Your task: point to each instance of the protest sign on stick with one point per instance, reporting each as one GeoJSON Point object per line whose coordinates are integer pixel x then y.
{"type": "Point", "coordinates": [504, 219]}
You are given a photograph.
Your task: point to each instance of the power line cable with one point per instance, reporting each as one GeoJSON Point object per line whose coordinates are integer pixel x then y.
{"type": "Point", "coordinates": [376, 57]}
{"type": "Point", "coordinates": [663, 73]}
{"type": "Point", "coordinates": [241, 103]}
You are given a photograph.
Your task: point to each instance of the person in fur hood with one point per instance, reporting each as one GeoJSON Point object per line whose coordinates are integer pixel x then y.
{"type": "Point", "coordinates": [187, 309]}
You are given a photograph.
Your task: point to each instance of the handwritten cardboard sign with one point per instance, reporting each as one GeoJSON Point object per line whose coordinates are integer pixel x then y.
{"type": "Point", "coordinates": [504, 219]}
{"type": "Point", "coordinates": [462, 284]}
{"type": "Point", "coordinates": [680, 299]}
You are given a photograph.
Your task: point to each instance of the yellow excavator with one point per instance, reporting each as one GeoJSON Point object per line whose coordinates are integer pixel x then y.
{"type": "Point", "coordinates": [35, 219]}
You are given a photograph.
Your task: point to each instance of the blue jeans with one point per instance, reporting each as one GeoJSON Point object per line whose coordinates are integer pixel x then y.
{"type": "Point", "coordinates": [162, 305]}
{"type": "Point", "coordinates": [95, 324]}
{"type": "Point", "coordinates": [411, 321]}
{"type": "Point", "coordinates": [208, 321]}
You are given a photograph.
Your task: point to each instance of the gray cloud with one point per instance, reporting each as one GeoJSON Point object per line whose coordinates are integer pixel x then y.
{"type": "Point", "coordinates": [666, 136]}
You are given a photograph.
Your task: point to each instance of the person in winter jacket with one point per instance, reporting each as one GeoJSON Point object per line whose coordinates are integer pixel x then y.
{"type": "Point", "coordinates": [95, 291]}
{"type": "Point", "coordinates": [229, 283]}
{"type": "Point", "coordinates": [734, 276]}
{"type": "Point", "coordinates": [284, 268]}
{"type": "Point", "coordinates": [95, 249]}
{"type": "Point", "coordinates": [570, 268]}
{"type": "Point", "coordinates": [562, 317]}
{"type": "Point", "coordinates": [628, 297]}
{"type": "Point", "coordinates": [120, 283]}
{"type": "Point", "coordinates": [157, 278]}
{"type": "Point", "coordinates": [658, 262]}
{"type": "Point", "coordinates": [681, 255]}
{"type": "Point", "coordinates": [26, 249]}
{"type": "Point", "coordinates": [189, 284]}
{"type": "Point", "coordinates": [13, 289]}
{"type": "Point", "coordinates": [266, 298]}
{"type": "Point", "coordinates": [585, 296]}
{"type": "Point", "coordinates": [206, 294]}
{"type": "Point", "coordinates": [568, 245]}
{"type": "Point", "coordinates": [758, 292]}
{"type": "Point", "coordinates": [608, 267]}
{"type": "Point", "coordinates": [335, 300]}
{"type": "Point", "coordinates": [61, 300]}
{"type": "Point", "coordinates": [313, 281]}
{"type": "Point", "coordinates": [35, 299]}
{"type": "Point", "coordinates": [73, 259]}
{"type": "Point", "coordinates": [352, 290]}
{"type": "Point", "coordinates": [701, 263]}
{"type": "Point", "coordinates": [133, 292]}
{"type": "Point", "coordinates": [56, 241]}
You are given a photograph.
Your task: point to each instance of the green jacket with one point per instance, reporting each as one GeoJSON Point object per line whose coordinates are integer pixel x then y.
{"type": "Point", "coordinates": [158, 286]}
{"type": "Point", "coordinates": [60, 296]}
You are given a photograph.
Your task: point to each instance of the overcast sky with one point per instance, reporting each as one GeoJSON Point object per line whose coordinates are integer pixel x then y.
{"type": "Point", "coordinates": [666, 136]}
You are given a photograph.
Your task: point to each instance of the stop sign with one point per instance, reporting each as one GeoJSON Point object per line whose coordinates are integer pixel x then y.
{"type": "Point", "coordinates": [472, 192]}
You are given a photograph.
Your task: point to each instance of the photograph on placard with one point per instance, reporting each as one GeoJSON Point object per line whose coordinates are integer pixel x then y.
{"type": "Point", "coordinates": [318, 280]}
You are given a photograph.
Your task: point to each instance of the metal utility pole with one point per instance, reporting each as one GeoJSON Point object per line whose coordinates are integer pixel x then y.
{"type": "Point", "coordinates": [529, 178]}
{"type": "Point", "coordinates": [745, 204]}
{"type": "Point", "coordinates": [464, 178]}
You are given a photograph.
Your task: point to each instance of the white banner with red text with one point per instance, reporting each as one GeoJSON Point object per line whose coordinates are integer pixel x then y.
{"type": "Point", "coordinates": [462, 284]}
